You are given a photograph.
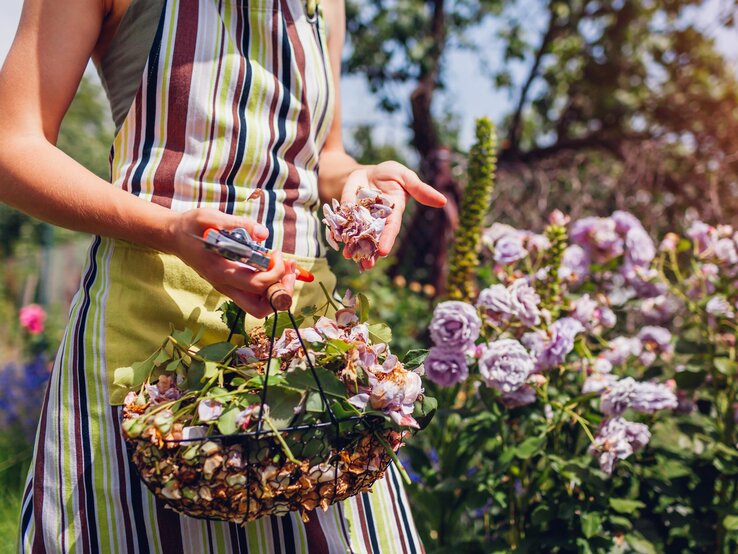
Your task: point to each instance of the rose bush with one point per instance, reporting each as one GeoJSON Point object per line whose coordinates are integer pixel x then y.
{"type": "Point", "coordinates": [594, 409]}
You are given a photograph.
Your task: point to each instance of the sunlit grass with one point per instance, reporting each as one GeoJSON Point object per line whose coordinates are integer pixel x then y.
{"type": "Point", "coordinates": [15, 455]}
{"type": "Point", "coordinates": [10, 502]}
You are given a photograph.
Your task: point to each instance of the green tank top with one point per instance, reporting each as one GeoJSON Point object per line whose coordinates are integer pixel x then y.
{"type": "Point", "coordinates": [121, 68]}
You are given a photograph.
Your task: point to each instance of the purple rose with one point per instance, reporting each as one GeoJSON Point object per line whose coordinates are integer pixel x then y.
{"type": "Point", "coordinates": [598, 236]}
{"type": "Point", "coordinates": [590, 314]}
{"type": "Point", "coordinates": [622, 348]}
{"type": "Point", "coordinates": [640, 249]}
{"type": "Point", "coordinates": [575, 264]}
{"type": "Point", "coordinates": [655, 341]}
{"type": "Point", "coordinates": [495, 232]}
{"type": "Point", "coordinates": [524, 302]}
{"type": "Point", "coordinates": [505, 365]}
{"type": "Point", "coordinates": [652, 397]}
{"type": "Point", "coordinates": [703, 236]}
{"type": "Point", "coordinates": [618, 397]}
{"type": "Point", "coordinates": [616, 439]}
{"type": "Point", "coordinates": [625, 221]}
{"type": "Point", "coordinates": [601, 365]}
{"type": "Point", "coordinates": [455, 325]}
{"type": "Point", "coordinates": [718, 306]}
{"type": "Point", "coordinates": [551, 349]}
{"type": "Point", "coordinates": [495, 303]}
{"type": "Point", "coordinates": [509, 249]}
{"type": "Point", "coordinates": [644, 281]}
{"type": "Point", "coordinates": [725, 251]}
{"type": "Point", "coordinates": [446, 367]}
{"type": "Point", "coordinates": [659, 309]}
{"type": "Point", "coordinates": [645, 397]}
{"type": "Point", "coordinates": [537, 242]}
{"type": "Point", "coordinates": [597, 382]}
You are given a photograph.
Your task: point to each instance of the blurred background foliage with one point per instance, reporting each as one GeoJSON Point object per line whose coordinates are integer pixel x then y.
{"type": "Point", "coordinates": [615, 105]}
{"type": "Point", "coordinates": [626, 104]}
{"type": "Point", "coordinates": [41, 264]}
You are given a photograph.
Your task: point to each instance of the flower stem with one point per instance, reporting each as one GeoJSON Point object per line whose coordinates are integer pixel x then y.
{"type": "Point", "coordinates": [282, 443]}
{"type": "Point", "coordinates": [393, 455]}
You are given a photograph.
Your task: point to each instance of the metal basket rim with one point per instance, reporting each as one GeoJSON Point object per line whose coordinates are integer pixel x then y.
{"type": "Point", "coordinates": [370, 419]}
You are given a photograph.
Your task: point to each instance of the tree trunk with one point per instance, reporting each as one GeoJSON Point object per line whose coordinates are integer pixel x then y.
{"type": "Point", "coordinates": [423, 250]}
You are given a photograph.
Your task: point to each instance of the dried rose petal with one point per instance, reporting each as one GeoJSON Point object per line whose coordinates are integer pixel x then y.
{"type": "Point", "coordinates": [358, 225]}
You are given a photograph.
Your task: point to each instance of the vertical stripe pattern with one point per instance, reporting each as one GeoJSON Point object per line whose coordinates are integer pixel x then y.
{"type": "Point", "coordinates": [236, 95]}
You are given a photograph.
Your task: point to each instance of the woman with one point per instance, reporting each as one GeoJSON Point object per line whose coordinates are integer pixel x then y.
{"type": "Point", "coordinates": [225, 110]}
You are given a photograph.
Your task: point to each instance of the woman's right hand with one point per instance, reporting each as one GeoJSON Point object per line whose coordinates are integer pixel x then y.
{"type": "Point", "coordinates": [245, 287]}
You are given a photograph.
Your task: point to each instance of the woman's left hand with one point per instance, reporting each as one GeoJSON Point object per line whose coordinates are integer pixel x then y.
{"type": "Point", "coordinates": [396, 182]}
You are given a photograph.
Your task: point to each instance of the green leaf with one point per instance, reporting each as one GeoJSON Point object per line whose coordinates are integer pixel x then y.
{"type": "Point", "coordinates": [625, 506]}
{"type": "Point", "coordinates": [591, 524]}
{"type": "Point", "coordinates": [275, 379]}
{"type": "Point", "coordinates": [362, 307]}
{"type": "Point", "coordinates": [282, 404]}
{"type": "Point", "coordinates": [162, 357]}
{"type": "Point", "coordinates": [124, 377]}
{"type": "Point", "coordinates": [726, 366]}
{"type": "Point", "coordinates": [211, 370]}
{"type": "Point", "coordinates": [640, 544]}
{"type": "Point", "coordinates": [217, 352]}
{"type": "Point", "coordinates": [414, 358]}
{"type": "Point", "coordinates": [540, 515]}
{"type": "Point", "coordinates": [620, 522]}
{"type": "Point", "coordinates": [283, 322]}
{"type": "Point", "coordinates": [423, 411]}
{"type": "Point", "coordinates": [684, 346]}
{"type": "Point", "coordinates": [173, 365]}
{"type": "Point", "coordinates": [183, 336]}
{"type": "Point", "coordinates": [134, 376]}
{"type": "Point", "coordinates": [380, 333]}
{"type": "Point", "coordinates": [195, 374]}
{"type": "Point", "coordinates": [315, 403]}
{"type": "Point", "coordinates": [198, 335]}
{"type": "Point", "coordinates": [303, 379]}
{"type": "Point", "coordinates": [530, 447]}
{"type": "Point", "coordinates": [227, 421]}
{"type": "Point", "coordinates": [233, 317]}
{"type": "Point", "coordinates": [683, 245]}
{"type": "Point", "coordinates": [689, 379]}
{"type": "Point", "coordinates": [308, 311]}
{"type": "Point", "coordinates": [730, 523]}
{"type": "Point", "coordinates": [339, 346]}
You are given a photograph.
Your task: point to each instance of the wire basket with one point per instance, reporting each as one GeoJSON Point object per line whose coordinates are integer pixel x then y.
{"type": "Point", "coordinates": [248, 475]}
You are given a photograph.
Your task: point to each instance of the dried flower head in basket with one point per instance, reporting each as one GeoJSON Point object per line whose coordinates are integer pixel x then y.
{"type": "Point", "coordinates": [297, 418]}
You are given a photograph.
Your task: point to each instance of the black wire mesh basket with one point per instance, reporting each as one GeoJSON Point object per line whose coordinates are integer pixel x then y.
{"type": "Point", "coordinates": [262, 469]}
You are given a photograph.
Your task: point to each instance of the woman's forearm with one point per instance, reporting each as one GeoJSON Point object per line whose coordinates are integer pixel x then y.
{"type": "Point", "coordinates": [42, 181]}
{"type": "Point", "coordinates": [334, 169]}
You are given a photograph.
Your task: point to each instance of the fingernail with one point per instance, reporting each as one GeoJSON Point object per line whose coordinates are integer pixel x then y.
{"type": "Point", "coordinates": [261, 229]}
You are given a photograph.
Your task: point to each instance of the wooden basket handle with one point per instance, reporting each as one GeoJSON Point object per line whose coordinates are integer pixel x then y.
{"type": "Point", "coordinates": [279, 298]}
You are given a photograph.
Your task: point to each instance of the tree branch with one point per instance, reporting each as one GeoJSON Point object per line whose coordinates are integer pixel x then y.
{"type": "Point", "coordinates": [425, 135]}
{"type": "Point", "coordinates": [515, 125]}
{"type": "Point", "coordinates": [593, 141]}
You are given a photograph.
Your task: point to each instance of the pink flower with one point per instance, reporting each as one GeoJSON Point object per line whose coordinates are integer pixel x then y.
{"type": "Point", "coordinates": [359, 225]}
{"type": "Point", "coordinates": [209, 410]}
{"type": "Point", "coordinates": [32, 318]}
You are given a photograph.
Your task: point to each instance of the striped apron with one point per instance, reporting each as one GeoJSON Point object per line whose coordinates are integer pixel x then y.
{"type": "Point", "coordinates": [235, 96]}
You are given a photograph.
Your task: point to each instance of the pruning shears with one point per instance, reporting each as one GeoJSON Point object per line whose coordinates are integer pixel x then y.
{"type": "Point", "coordinates": [238, 246]}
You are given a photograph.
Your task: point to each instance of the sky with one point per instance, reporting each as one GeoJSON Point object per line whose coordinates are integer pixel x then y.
{"type": "Point", "coordinates": [470, 94]}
